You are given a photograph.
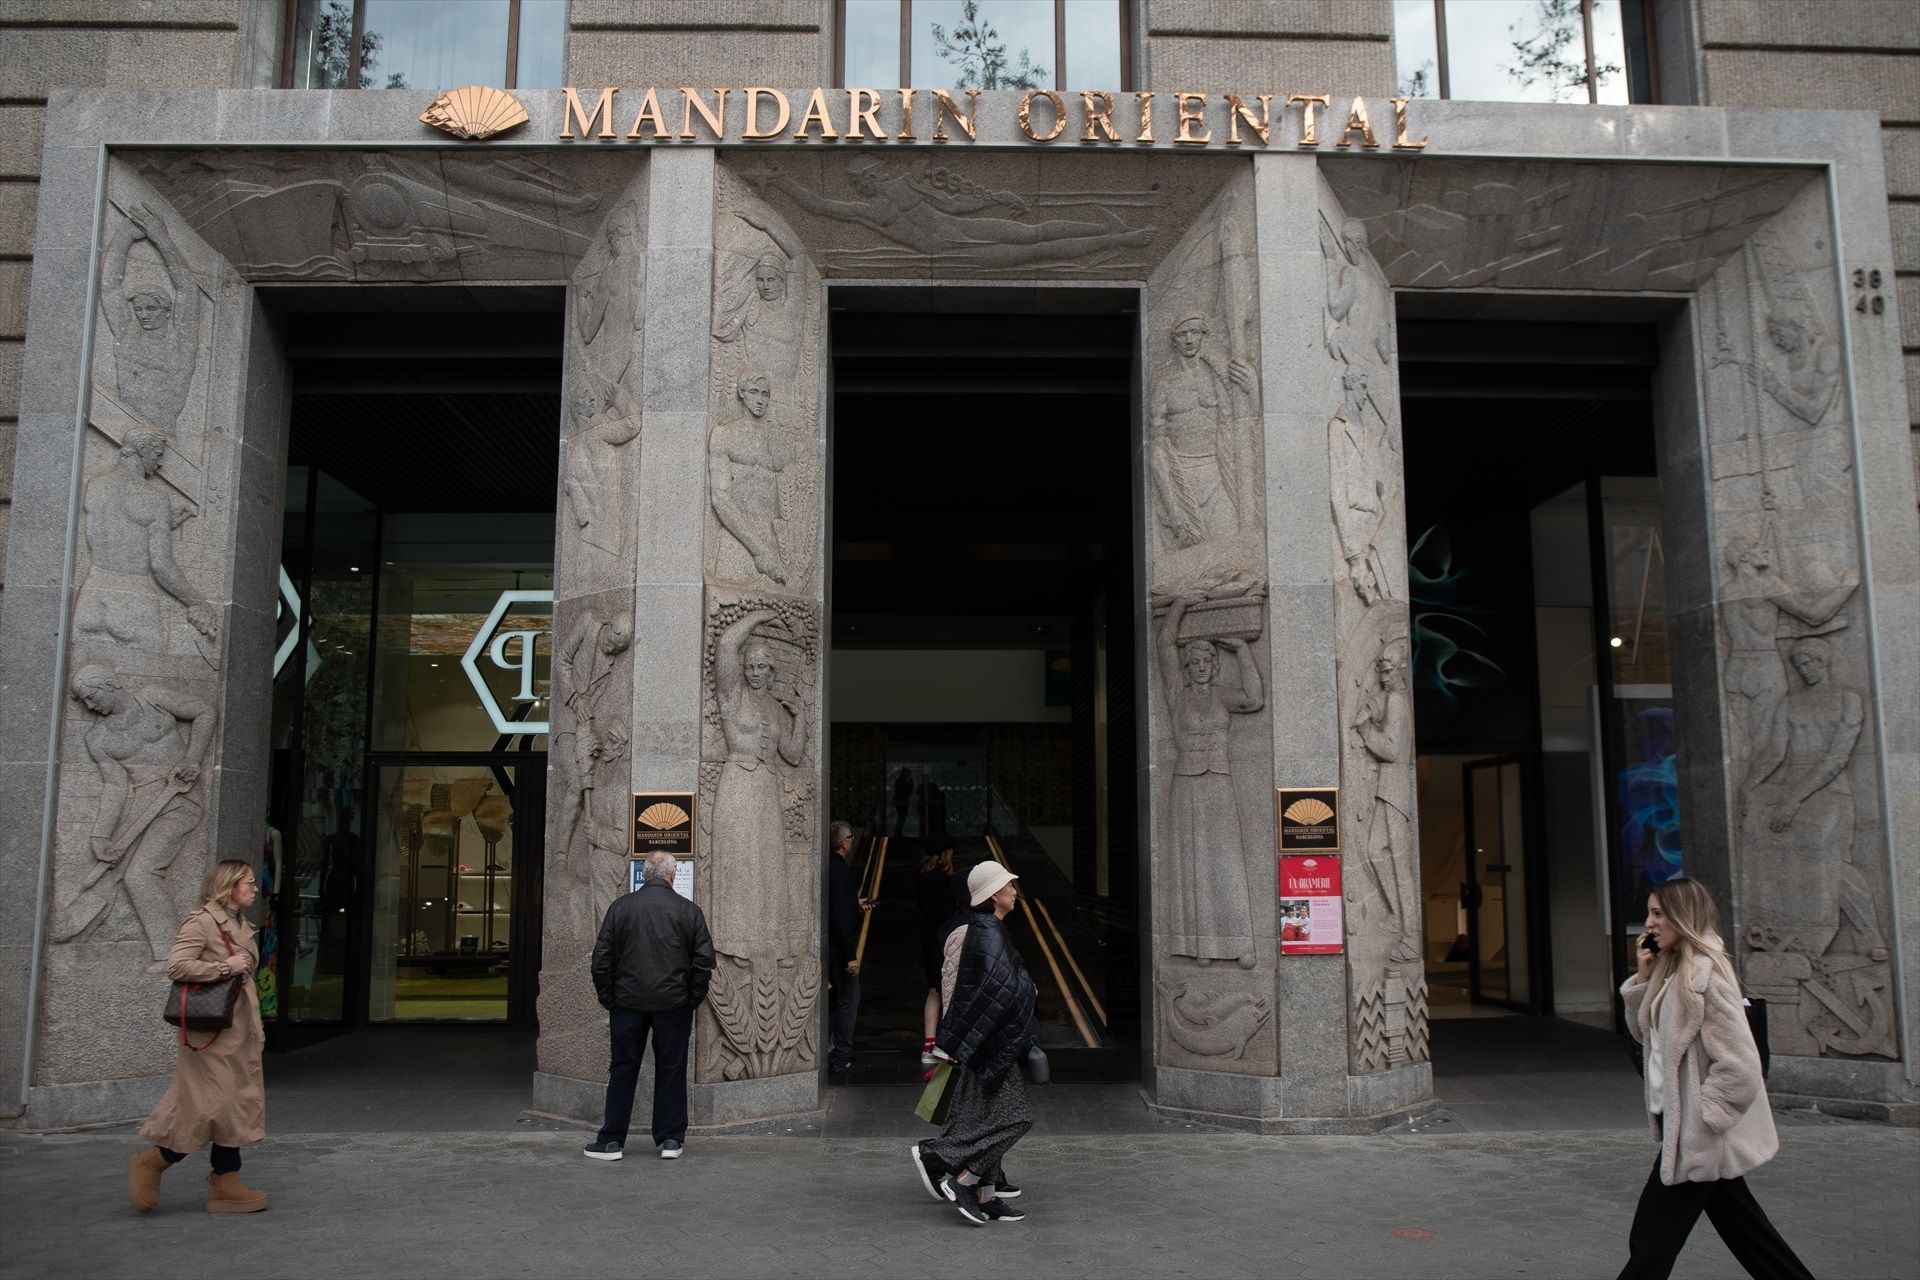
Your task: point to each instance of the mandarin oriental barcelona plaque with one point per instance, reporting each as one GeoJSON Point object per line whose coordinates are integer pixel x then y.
{"type": "Point", "coordinates": [663, 820]}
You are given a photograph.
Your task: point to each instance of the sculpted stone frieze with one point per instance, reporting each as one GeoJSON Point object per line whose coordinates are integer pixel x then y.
{"type": "Point", "coordinates": [761, 665]}
{"type": "Point", "coordinates": [1555, 224]}
{"type": "Point", "coordinates": [388, 215]}
{"type": "Point", "coordinates": [1210, 1026]}
{"type": "Point", "coordinates": [154, 317]}
{"type": "Point", "coordinates": [147, 743]}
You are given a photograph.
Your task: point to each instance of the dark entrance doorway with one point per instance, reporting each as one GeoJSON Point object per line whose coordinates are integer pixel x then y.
{"type": "Point", "coordinates": [408, 801]}
{"type": "Point", "coordinates": [983, 652]}
{"type": "Point", "coordinates": [1544, 714]}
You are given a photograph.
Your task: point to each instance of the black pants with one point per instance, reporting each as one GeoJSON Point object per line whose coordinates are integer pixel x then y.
{"type": "Point", "coordinates": [844, 999]}
{"type": "Point", "coordinates": [1666, 1216]}
{"type": "Point", "coordinates": [225, 1159]}
{"type": "Point", "coordinates": [671, 1032]}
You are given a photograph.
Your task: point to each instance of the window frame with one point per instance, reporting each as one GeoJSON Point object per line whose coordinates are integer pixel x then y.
{"type": "Point", "coordinates": [1644, 27]}
{"type": "Point", "coordinates": [289, 52]}
{"type": "Point", "coordinates": [906, 47]}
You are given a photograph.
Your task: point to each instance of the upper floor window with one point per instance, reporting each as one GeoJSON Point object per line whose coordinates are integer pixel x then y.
{"type": "Point", "coordinates": [1523, 50]}
{"type": "Point", "coordinates": [424, 44]}
{"type": "Point", "coordinates": [983, 44]}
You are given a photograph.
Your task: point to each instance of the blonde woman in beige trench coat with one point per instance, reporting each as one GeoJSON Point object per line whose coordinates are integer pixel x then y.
{"type": "Point", "coordinates": [219, 1096]}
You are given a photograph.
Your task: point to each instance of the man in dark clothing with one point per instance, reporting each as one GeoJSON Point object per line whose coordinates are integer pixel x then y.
{"type": "Point", "coordinates": [652, 965]}
{"type": "Point", "coordinates": [844, 906]}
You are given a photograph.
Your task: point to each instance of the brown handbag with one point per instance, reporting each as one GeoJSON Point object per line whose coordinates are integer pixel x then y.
{"type": "Point", "coordinates": [204, 1006]}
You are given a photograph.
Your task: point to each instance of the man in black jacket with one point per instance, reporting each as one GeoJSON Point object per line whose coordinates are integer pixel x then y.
{"type": "Point", "coordinates": [844, 906]}
{"type": "Point", "coordinates": [652, 965]}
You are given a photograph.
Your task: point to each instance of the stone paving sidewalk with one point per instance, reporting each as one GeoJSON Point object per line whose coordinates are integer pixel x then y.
{"type": "Point", "coordinates": [523, 1202]}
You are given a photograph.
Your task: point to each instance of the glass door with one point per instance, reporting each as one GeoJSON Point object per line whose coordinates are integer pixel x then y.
{"type": "Point", "coordinates": [454, 843]}
{"type": "Point", "coordinates": [1499, 951]}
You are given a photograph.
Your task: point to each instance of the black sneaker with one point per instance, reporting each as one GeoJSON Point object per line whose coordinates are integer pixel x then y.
{"type": "Point", "coordinates": [965, 1198]}
{"type": "Point", "coordinates": [1000, 1211]}
{"type": "Point", "coordinates": [931, 1170]}
{"type": "Point", "coordinates": [602, 1151]}
{"type": "Point", "coordinates": [849, 1067]}
{"type": "Point", "coordinates": [1006, 1190]}
{"type": "Point", "coordinates": [670, 1149]}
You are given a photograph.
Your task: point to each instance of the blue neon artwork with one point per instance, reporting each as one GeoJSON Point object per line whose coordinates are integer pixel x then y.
{"type": "Point", "coordinates": [1649, 786]}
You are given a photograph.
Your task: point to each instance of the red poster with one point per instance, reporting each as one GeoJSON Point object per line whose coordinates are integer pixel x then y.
{"type": "Point", "coordinates": [1310, 918]}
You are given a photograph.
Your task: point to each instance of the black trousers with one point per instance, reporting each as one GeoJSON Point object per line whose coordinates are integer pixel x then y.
{"type": "Point", "coordinates": [1666, 1215]}
{"type": "Point", "coordinates": [225, 1159]}
{"type": "Point", "coordinates": [844, 999]}
{"type": "Point", "coordinates": [671, 1031]}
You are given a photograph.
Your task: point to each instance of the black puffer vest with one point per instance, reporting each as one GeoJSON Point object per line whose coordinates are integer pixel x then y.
{"type": "Point", "coordinates": [990, 1021]}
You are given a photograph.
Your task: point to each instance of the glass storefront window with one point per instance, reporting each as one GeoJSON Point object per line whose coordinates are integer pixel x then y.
{"type": "Point", "coordinates": [425, 44]}
{"type": "Point", "coordinates": [441, 577]}
{"type": "Point", "coordinates": [443, 893]}
{"type": "Point", "coordinates": [984, 44]}
{"type": "Point", "coordinates": [1576, 51]}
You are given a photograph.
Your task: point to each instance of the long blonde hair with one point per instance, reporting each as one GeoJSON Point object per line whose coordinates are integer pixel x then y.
{"type": "Point", "coordinates": [218, 884]}
{"type": "Point", "coordinates": [1688, 907]}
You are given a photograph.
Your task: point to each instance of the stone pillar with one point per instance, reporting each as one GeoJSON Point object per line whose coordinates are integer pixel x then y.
{"type": "Point", "coordinates": [595, 644]}
{"type": "Point", "coordinates": [163, 748]}
{"type": "Point", "coordinates": [1785, 694]}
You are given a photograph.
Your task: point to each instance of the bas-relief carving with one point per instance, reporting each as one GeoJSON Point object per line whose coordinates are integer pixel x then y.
{"type": "Point", "coordinates": [1209, 912]}
{"type": "Point", "coordinates": [1366, 487]}
{"type": "Point", "coordinates": [761, 668]}
{"type": "Point", "coordinates": [146, 742]}
{"type": "Point", "coordinates": [1556, 225]}
{"type": "Point", "coordinates": [154, 317]}
{"type": "Point", "coordinates": [593, 674]}
{"type": "Point", "coordinates": [386, 215]}
{"type": "Point", "coordinates": [1211, 1026]}
{"type": "Point", "coordinates": [765, 489]}
{"type": "Point", "coordinates": [1792, 662]}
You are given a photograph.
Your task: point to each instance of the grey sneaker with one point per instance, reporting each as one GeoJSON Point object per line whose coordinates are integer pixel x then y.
{"type": "Point", "coordinates": [670, 1149]}
{"type": "Point", "coordinates": [602, 1151]}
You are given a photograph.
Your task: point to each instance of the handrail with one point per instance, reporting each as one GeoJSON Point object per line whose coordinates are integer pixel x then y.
{"type": "Point", "coordinates": [1073, 1006]}
{"type": "Point", "coordinates": [877, 862]}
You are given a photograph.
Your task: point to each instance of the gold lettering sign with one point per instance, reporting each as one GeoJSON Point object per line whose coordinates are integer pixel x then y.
{"type": "Point", "coordinates": [852, 114]}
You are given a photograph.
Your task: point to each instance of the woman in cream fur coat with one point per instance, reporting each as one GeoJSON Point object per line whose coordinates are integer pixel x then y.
{"type": "Point", "coordinates": [1705, 1095]}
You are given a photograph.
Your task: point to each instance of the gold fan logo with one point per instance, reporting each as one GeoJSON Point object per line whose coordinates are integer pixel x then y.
{"type": "Point", "coordinates": [1310, 811]}
{"type": "Point", "coordinates": [665, 816]}
{"type": "Point", "coordinates": [475, 113]}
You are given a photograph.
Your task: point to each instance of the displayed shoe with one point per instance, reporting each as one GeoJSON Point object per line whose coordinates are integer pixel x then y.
{"type": "Point", "coordinates": [849, 1067]}
{"type": "Point", "coordinates": [226, 1194]}
{"type": "Point", "coordinates": [1006, 1190]}
{"type": "Point", "coordinates": [927, 1056]}
{"type": "Point", "coordinates": [465, 908]}
{"type": "Point", "coordinates": [930, 1168]}
{"type": "Point", "coordinates": [1000, 1211]}
{"type": "Point", "coordinates": [143, 1178]}
{"type": "Point", "coordinates": [671, 1149]}
{"type": "Point", "coordinates": [603, 1151]}
{"type": "Point", "coordinates": [965, 1198]}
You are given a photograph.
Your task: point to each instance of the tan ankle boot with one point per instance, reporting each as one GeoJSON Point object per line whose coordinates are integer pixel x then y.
{"type": "Point", "coordinates": [227, 1195]}
{"type": "Point", "coordinates": [143, 1178]}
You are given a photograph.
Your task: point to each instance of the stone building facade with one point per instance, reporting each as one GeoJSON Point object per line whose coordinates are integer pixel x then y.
{"type": "Point", "coordinates": [1755, 215]}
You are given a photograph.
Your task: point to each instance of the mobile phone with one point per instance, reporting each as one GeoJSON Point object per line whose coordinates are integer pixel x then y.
{"type": "Point", "coordinates": [1648, 944]}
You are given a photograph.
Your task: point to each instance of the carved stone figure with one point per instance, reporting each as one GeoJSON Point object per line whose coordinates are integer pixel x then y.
{"type": "Point", "coordinates": [1194, 440]}
{"type": "Point", "coordinates": [606, 316]}
{"type": "Point", "coordinates": [1808, 909]}
{"type": "Point", "coordinates": [1760, 608]}
{"type": "Point", "coordinates": [762, 314]}
{"type": "Point", "coordinates": [1384, 733]}
{"type": "Point", "coordinates": [605, 420]}
{"type": "Point", "coordinates": [1802, 373]}
{"type": "Point", "coordinates": [928, 209]}
{"type": "Point", "coordinates": [156, 338]}
{"type": "Point", "coordinates": [591, 735]}
{"type": "Point", "coordinates": [763, 727]}
{"type": "Point", "coordinates": [130, 522]}
{"type": "Point", "coordinates": [1366, 489]}
{"type": "Point", "coordinates": [1213, 1026]}
{"type": "Point", "coordinates": [1209, 913]}
{"type": "Point", "coordinates": [746, 460]}
{"type": "Point", "coordinates": [1359, 332]}
{"type": "Point", "coordinates": [147, 808]}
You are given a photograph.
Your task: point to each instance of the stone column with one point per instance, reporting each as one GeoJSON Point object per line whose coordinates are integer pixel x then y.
{"type": "Point", "coordinates": [163, 750]}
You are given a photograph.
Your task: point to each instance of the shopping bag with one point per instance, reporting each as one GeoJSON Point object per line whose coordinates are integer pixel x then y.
{"type": "Point", "coordinates": [937, 1098]}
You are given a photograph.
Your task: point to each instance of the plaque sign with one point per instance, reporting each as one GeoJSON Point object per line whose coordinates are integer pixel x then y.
{"type": "Point", "coordinates": [1309, 819]}
{"type": "Point", "coordinates": [663, 820]}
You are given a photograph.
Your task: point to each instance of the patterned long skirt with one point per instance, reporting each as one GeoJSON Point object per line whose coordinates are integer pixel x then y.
{"type": "Point", "coordinates": [982, 1127]}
